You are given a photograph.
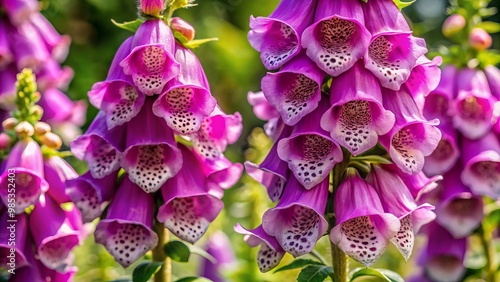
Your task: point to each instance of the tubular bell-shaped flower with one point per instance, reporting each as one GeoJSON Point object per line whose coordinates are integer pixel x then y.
{"type": "Point", "coordinates": [446, 154]}
{"type": "Point", "coordinates": [295, 90]}
{"type": "Point", "coordinates": [356, 117]}
{"type": "Point", "coordinates": [297, 221]}
{"type": "Point", "coordinates": [188, 212]}
{"type": "Point", "coordinates": [412, 137]}
{"type": "Point", "coordinates": [151, 157]}
{"type": "Point", "coordinates": [397, 200]}
{"type": "Point", "coordinates": [310, 151]}
{"type": "Point", "coordinates": [393, 52]}
{"type": "Point", "coordinates": [56, 44]}
{"type": "Point", "coordinates": [362, 229]}
{"type": "Point", "coordinates": [20, 229]}
{"type": "Point", "coordinates": [438, 103]}
{"type": "Point", "coordinates": [19, 11]}
{"type": "Point", "coordinates": [25, 44]}
{"type": "Point", "coordinates": [418, 184]}
{"type": "Point", "coordinates": [481, 159]}
{"type": "Point", "coordinates": [278, 36]}
{"type": "Point", "coordinates": [57, 171]}
{"type": "Point", "coordinates": [151, 62]}
{"type": "Point", "coordinates": [270, 252]}
{"type": "Point", "coordinates": [126, 232]}
{"type": "Point", "coordinates": [187, 99]}
{"type": "Point", "coordinates": [6, 56]}
{"type": "Point", "coordinates": [338, 38]}
{"type": "Point", "coordinates": [218, 246]}
{"type": "Point", "coordinates": [424, 77]}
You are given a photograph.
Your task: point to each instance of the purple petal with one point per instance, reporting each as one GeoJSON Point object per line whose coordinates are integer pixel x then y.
{"type": "Point", "coordinates": [356, 116]}
{"type": "Point", "coordinates": [424, 77]}
{"type": "Point", "coordinates": [6, 56]}
{"type": "Point", "coordinates": [19, 11]}
{"type": "Point", "coordinates": [18, 227]}
{"type": "Point", "coordinates": [382, 16]}
{"type": "Point", "coordinates": [297, 221]}
{"type": "Point", "coordinates": [8, 87]}
{"type": "Point", "coordinates": [493, 75]}
{"type": "Point", "coordinates": [221, 171]}
{"type": "Point", "coordinates": [151, 63]}
{"type": "Point", "coordinates": [218, 246]}
{"type": "Point", "coordinates": [446, 153]}
{"type": "Point", "coordinates": [57, 171]}
{"type": "Point", "coordinates": [438, 102]}
{"type": "Point", "coordinates": [277, 37]}
{"type": "Point", "coordinates": [188, 208]}
{"type": "Point", "coordinates": [187, 100]}
{"type": "Point", "coordinates": [295, 90]}
{"type": "Point", "coordinates": [261, 107]}
{"type": "Point", "coordinates": [25, 44]}
{"type": "Point", "coordinates": [126, 232]}
{"type": "Point", "coordinates": [52, 75]}
{"type": "Point", "coordinates": [56, 44]}
{"type": "Point", "coordinates": [338, 38]}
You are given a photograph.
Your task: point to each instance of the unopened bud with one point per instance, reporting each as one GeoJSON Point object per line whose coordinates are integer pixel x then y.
{"type": "Point", "coordinates": [183, 27]}
{"type": "Point", "coordinates": [24, 129]}
{"type": "Point", "coordinates": [453, 24]}
{"type": "Point", "coordinates": [152, 7]}
{"type": "Point", "coordinates": [4, 141]}
{"type": "Point", "coordinates": [479, 39]}
{"type": "Point", "coordinates": [9, 123]}
{"type": "Point", "coordinates": [51, 140]}
{"type": "Point", "coordinates": [41, 128]}
{"type": "Point", "coordinates": [37, 110]}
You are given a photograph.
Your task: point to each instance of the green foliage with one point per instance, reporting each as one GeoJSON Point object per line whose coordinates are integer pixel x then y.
{"type": "Point", "coordinates": [193, 279]}
{"type": "Point", "coordinates": [177, 251]}
{"type": "Point", "coordinates": [385, 274]}
{"type": "Point", "coordinates": [315, 273]}
{"type": "Point", "coordinates": [298, 263]}
{"type": "Point", "coordinates": [130, 26]}
{"type": "Point", "coordinates": [145, 270]}
{"type": "Point", "coordinates": [401, 5]}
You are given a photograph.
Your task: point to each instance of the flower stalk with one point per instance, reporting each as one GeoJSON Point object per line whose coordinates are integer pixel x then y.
{"type": "Point", "coordinates": [165, 272]}
{"type": "Point", "coordinates": [489, 253]}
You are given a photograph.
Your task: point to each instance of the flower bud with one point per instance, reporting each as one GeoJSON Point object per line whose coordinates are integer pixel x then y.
{"type": "Point", "coordinates": [479, 39]}
{"type": "Point", "coordinates": [41, 128]}
{"type": "Point", "coordinates": [152, 7]}
{"type": "Point", "coordinates": [9, 123]}
{"type": "Point", "coordinates": [37, 111]}
{"type": "Point", "coordinates": [4, 141]}
{"type": "Point", "coordinates": [24, 129]}
{"type": "Point", "coordinates": [183, 27]}
{"type": "Point", "coordinates": [453, 24]}
{"type": "Point", "coordinates": [51, 140]}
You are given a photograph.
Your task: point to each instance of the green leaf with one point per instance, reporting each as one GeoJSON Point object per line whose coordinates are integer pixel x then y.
{"type": "Point", "coordinates": [202, 253]}
{"type": "Point", "coordinates": [298, 263]}
{"type": "Point", "coordinates": [193, 279]}
{"type": "Point", "coordinates": [490, 27]}
{"type": "Point", "coordinates": [177, 251]}
{"type": "Point", "coordinates": [401, 5]}
{"type": "Point", "coordinates": [130, 26]}
{"type": "Point", "coordinates": [198, 42]}
{"type": "Point", "coordinates": [387, 275]}
{"type": "Point", "coordinates": [145, 270]}
{"type": "Point", "coordinates": [315, 273]}
{"type": "Point", "coordinates": [488, 57]}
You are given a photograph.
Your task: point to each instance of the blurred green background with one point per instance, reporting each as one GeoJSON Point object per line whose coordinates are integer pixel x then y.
{"type": "Point", "coordinates": [233, 68]}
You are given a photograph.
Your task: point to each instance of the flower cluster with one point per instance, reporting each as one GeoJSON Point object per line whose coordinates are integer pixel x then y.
{"type": "Point", "coordinates": [159, 123]}
{"type": "Point", "coordinates": [40, 225]}
{"type": "Point", "coordinates": [28, 40]}
{"type": "Point", "coordinates": [348, 74]}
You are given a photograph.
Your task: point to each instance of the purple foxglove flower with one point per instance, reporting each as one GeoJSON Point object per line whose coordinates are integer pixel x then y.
{"type": "Point", "coordinates": [412, 138]}
{"type": "Point", "coordinates": [424, 77]}
{"type": "Point", "coordinates": [443, 262]}
{"type": "Point", "coordinates": [117, 96]}
{"type": "Point", "coordinates": [29, 272]}
{"type": "Point", "coordinates": [278, 36]}
{"type": "Point", "coordinates": [363, 229]}
{"type": "Point", "coordinates": [295, 90]}
{"type": "Point", "coordinates": [55, 276]}
{"type": "Point", "coordinates": [493, 75]}
{"type": "Point", "coordinates": [19, 11]}
{"type": "Point", "coordinates": [52, 75]}
{"type": "Point", "coordinates": [446, 153]}
{"type": "Point", "coordinates": [481, 159]}
{"type": "Point", "coordinates": [17, 225]}
{"type": "Point", "coordinates": [221, 171]}
{"type": "Point", "coordinates": [418, 184]}
{"type": "Point", "coordinates": [393, 51]}
{"type": "Point", "coordinates": [261, 106]}
{"type": "Point", "coordinates": [187, 100]}
{"type": "Point", "coordinates": [356, 117]}
{"type": "Point", "coordinates": [126, 232]}
{"type": "Point", "coordinates": [396, 199]}
{"type": "Point", "coordinates": [310, 151]}
{"type": "Point", "coordinates": [25, 44]}
{"type": "Point", "coordinates": [189, 207]}
{"type": "Point", "coordinates": [438, 103]}
{"type": "Point", "coordinates": [57, 171]}
{"type": "Point", "coordinates": [56, 44]}
{"type": "Point", "coordinates": [8, 87]}
{"type": "Point", "coordinates": [338, 37]}
{"type": "Point", "coordinates": [151, 156]}
{"type": "Point", "coordinates": [297, 221]}
{"type": "Point", "coordinates": [25, 164]}
{"type": "Point", "coordinates": [151, 63]}
{"type": "Point", "coordinates": [53, 233]}
{"type": "Point", "coordinates": [216, 132]}
{"type": "Point", "coordinates": [272, 172]}
{"type": "Point", "coordinates": [6, 56]}
{"type": "Point", "coordinates": [459, 211]}
{"type": "Point", "coordinates": [219, 246]}
{"type": "Point", "coordinates": [270, 252]}
{"type": "Point", "coordinates": [100, 148]}
{"type": "Point", "coordinates": [474, 105]}
{"type": "Point", "coordinates": [90, 195]}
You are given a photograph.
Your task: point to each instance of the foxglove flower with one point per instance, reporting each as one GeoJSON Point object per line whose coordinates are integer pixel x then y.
{"type": "Point", "coordinates": [356, 117]}
{"type": "Point", "coordinates": [6, 56]}
{"type": "Point", "coordinates": [424, 77]}
{"type": "Point", "coordinates": [297, 221]}
{"type": "Point", "coordinates": [310, 151]}
{"type": "Point", "coordinates": [393, 52]}
{"type": "Point", "coordinates": [57, 171]}
{"type": "Point", "coordinates": [18, 226]}
{"type": "Point", "coordinates": [418, 184]}
{"type": "Point", "coordinates": [151, 63]}
{"type": "Point", "coordinates": [8, 87]}
{"type": "Point", "coordinates": [278, 37]}
{"type": "Point", "coordinates": [412, 137]}
{"type": "Point", "coordinates": [481, 159]}
{"type": "Point", "coordinates": [126, 232]}
{"type": "Point", "coordinates": [187, 99]}
{"type": "Point", "coordinates": [219, 247]}
{"type": "Point", "coordinates": [295, 90]}
{"type": "Point", "coordinates": [25, 44]}
{"type": "Point", "coordinates": [19, 11]}
{"type": "Point", "coordinates": [152, 7]}
{"type": "Point", "coordinates": [446, 154]}
{"type": "Point", "coordinates": [474, 105]}
{"type": "Point", "coordinates": [56, 44]}
{"type": "Point", "coordinates": [439, 102]}
{"type": "Point", "coordinates": [265, 111]}
{"type": "Point", "coordinates": [51, 75]}
{"type": "Point", "coordinates": [338, 38]}
{"type": "Point", "coordinates": [188, 212]}
{"type": "Point", "coordinates": [493, 75]}
{"type": "Point", "coordinates": [362, 229]}
{"type": "Point", "coordinates": [270, 251]}
{"type": "Point", "coordinates": [397, 200]}
{"type": "Point", "coordinates": [459, 211]}
{"type": "Point", "coordinates": [26, 162]}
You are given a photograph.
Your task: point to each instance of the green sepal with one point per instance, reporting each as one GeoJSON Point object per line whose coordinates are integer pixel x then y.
{"type": "Point", "coordinates": [193, 43]}
{"type": "Point", "coordinates": [401, 5]}
{"type": "Point", "coordinates": [130, 26]}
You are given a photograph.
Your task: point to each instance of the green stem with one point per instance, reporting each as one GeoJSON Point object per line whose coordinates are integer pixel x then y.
{"type": "Point", "coordinates": [489, 253]}
{"type": "Point", "coordinates": [165, 272]}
